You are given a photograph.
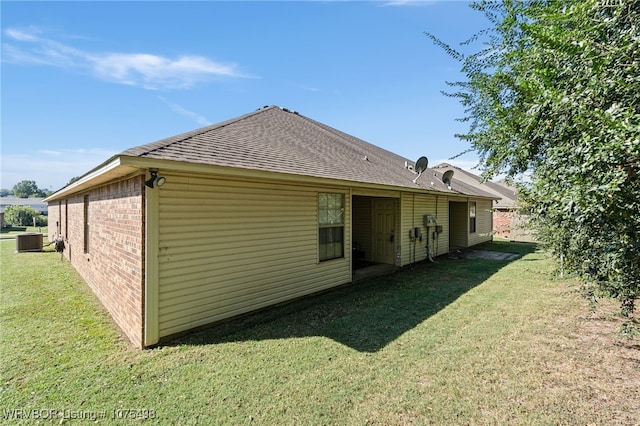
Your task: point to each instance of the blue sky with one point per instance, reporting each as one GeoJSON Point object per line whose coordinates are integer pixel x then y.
{"type": "Point", "coordinates": [82, 81]}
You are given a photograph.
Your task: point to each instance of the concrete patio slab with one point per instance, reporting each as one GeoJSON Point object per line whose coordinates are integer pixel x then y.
{"type": "Point", "coordinates": [492, 255]}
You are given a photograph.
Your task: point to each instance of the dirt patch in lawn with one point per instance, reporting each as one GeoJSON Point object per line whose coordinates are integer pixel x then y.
{"type": "Point", "coordinates": [597, 366]}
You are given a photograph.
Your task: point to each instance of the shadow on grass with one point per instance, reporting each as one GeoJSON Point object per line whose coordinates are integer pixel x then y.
{"type": "Point", "coordinates": [12, 230]}
{"type": "Point", "coordinates": [366, 315]}
{"type": "Point", "coordinates": [506, 246]}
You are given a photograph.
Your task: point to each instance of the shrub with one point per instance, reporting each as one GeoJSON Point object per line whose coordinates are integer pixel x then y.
{"type": "Point", "coordinates": [20, 215]}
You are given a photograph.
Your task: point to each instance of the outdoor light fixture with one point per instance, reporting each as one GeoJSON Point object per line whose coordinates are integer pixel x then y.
{"type": "Point", "coordinates": [158, 180]}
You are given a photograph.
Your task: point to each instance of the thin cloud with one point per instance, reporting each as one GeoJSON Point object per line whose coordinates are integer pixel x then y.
{"type": "Point", "coordinates": [153, 72]}
{"type": "Point", "coordinates": [50, 152]}
{"type": "Point", "coordinates": [185, 112]}
{"type": "Point", "coordinates": [21, 35]}
{"type": "Point", "coordinates": [41, 51]}
{"type": "Point", "coordinates": [158, 72]}
{"type": "Point", "coordinates": [311, 89]}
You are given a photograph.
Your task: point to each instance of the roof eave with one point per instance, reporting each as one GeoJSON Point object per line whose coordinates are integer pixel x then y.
{"type": "Point", "coordinates": [123, 165]}
{"type": "Point", "coordinates": [111, 169]}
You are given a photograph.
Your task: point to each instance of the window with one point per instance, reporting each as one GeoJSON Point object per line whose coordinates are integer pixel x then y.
{"type": "Point", "coordinates": [59, 221]}
{"type": "Point", "coordinates": [331, 226]}
{"type": "Point", "coordinates": [86, 224]}
{"type": "Point", "coordinates": [472, 218]}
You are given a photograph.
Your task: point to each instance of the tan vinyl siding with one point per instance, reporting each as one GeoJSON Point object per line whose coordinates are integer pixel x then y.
{"type": "Point", "coordinates": [229, 247]}
{"type": "Point", "coordinates": [442, 204]}
{"type": "Point", "coordinates": [484, 222]}
{"type": "Point", "coordinates": [459, 225]}
{"type": "Point", "coordinates": [362, 224]}
{"type": "Point", "coordinates": [414, 207]}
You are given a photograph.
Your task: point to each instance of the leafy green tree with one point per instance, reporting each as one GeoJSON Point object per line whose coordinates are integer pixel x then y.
{"type": "Point", "coordinates": [20, 215]}
{"type": "Point", "coordinates": [26, 189]}
{"type": "Point", "coordinates": [555, 92]}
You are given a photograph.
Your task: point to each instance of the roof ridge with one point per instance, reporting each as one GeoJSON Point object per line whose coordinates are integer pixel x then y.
{"type": "Point", "coordinates": [280, 140]}
{"type": "Point", "coordinates": [348, 138]}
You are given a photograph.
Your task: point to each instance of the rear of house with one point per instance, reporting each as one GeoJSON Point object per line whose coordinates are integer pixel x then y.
{"type": "Point", "coordinates": [471, 220]}
{"type": "Point", "coordinates": [508, 221]}
{"type": "Point", "coordinates": [252, 212]}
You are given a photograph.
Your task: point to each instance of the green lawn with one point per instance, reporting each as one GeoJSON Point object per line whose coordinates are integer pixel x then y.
{"type": "Point", "coordinates": [11, 232]}
{"type": "Point", "coordinates": [455, 342]}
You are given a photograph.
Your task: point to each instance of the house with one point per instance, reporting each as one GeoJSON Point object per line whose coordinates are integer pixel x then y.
{"type": "Point", "coordinates": [37, 204]}
{"type": "Point", "coordinates": [507, 223]}
{"type": "Point", "coordinates": [248, 213]}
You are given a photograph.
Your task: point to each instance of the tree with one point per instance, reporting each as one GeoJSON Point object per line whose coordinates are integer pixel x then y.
{"type": "Point", "coordinates": [27, 188]}
{"type": "Point", "coordinates": [555, 92]}
{"type": "Point", "coordinates": [21, 215]}
{"type": "Point", "coordinates": [5, 192]}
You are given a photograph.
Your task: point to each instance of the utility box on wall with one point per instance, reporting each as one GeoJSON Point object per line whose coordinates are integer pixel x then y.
{"type": "Point", "coordinates": [429, 220]}
{"type": "Point", "coordinates": [28, 242]}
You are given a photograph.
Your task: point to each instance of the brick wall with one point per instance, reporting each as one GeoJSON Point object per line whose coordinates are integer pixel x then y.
{"type": "Point", "coordinates": [502, 223]}
{"type": "Point", "coordinates": [111, 259]}
{"type": "Point", "coordinates": [53, 219]}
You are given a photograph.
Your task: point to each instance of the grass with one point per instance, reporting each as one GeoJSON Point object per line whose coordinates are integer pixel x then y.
{"type": "Point", "coordinates": [456, 342]}
{"type": "Point", "coordinates": [11, 232]}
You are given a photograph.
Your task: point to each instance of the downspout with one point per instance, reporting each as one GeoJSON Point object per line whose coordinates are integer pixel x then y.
{"type": "Point", "coordinates": [412, 260]}
{"type": "Point", "coordinates": [150, 320]}
{"type": "Point", "coordinates": [437, 233]}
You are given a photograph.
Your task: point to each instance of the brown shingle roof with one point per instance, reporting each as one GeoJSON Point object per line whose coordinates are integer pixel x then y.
{"type": "Point", "coordinates": [473, 184]}
{"type": "Point", "coordinates": [278, 140]}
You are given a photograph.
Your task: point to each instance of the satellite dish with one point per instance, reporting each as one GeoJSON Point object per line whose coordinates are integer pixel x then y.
{"type": "Point", "coordinates": [446, 178]}
{"type": "Point", "coordinates": [421, 166]}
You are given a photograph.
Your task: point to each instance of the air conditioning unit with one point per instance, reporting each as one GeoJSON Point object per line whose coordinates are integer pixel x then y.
{"type": "Point", "coordinates": [28, 242]}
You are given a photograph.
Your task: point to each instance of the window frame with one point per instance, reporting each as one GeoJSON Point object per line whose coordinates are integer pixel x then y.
{"type": "Point", "coordinates": [86, 224]}
{"type": "Point", "coordinates": [331, 223]}
{"type": "Point", "coordinates": [472, 217]}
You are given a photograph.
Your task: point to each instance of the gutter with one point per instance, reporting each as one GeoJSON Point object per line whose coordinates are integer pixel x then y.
{"type": "Point", "coordinates": [111, 169]}
{"type": "Point", "coordinates": [119, 166]}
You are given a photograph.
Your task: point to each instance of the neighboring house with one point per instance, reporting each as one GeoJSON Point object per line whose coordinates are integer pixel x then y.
{"type": "Point", "coordinates": [38, 204]}
{"type": "Point", "coordinates": [248, 213]}
{"type": "Point", "coordinates": [507, 223]}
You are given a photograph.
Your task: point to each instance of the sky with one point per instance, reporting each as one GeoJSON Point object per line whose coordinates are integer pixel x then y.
{"type": "Point", "coordinates": [83, 81]}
